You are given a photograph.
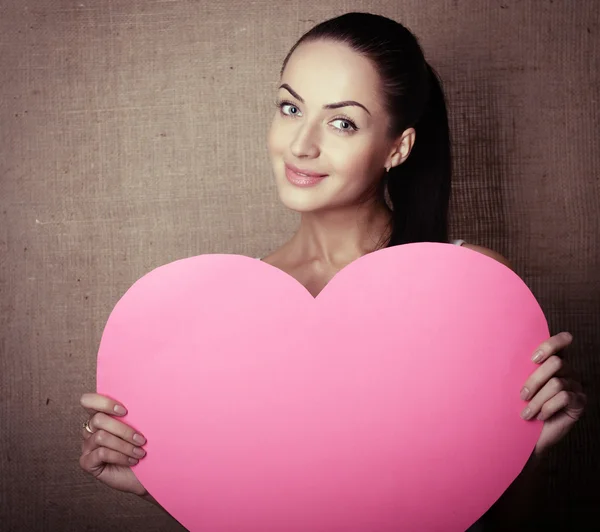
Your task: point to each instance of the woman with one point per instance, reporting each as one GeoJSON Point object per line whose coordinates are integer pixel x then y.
{"type": "Point", "coordinates": [359, 146]}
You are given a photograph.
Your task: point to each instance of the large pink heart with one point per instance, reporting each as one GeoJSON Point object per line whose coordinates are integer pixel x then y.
{"type": "Point", "coordinates": [389, 402]}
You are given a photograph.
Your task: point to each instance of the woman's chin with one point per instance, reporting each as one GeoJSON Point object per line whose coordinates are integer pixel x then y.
{"type": "Point", "coordinates": [299, 204]}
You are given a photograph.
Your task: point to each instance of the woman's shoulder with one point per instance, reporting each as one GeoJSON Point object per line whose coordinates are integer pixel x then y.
{"type": "Point", "coordinates": [490, 253]}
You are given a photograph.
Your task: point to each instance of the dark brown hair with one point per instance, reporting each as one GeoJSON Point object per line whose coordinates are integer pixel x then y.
{"type": "Point", "coordinates": [418, 190]}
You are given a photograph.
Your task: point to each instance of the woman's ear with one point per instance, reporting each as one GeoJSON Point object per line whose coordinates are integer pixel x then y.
{"type": "Point", "coordinates": [401, 148]}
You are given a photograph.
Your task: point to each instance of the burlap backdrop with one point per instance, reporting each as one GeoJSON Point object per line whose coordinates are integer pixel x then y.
{"type": "Point", "coordinates": [133, 133]}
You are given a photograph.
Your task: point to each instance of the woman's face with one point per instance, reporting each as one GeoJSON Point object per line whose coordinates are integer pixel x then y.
{"type": "Point", "coordinates": [348, 144]}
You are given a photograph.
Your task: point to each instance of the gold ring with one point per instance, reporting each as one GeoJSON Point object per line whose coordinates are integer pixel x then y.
{"type": "Point", "coordinates": [86, 426]}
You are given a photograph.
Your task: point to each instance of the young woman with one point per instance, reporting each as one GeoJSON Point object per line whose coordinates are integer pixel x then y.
{"type": "Point", "coordinates": [360, 147]}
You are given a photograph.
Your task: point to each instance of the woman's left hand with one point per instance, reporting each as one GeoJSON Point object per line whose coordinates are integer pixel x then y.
{"type": "Point", "coordinates": [554, 395]}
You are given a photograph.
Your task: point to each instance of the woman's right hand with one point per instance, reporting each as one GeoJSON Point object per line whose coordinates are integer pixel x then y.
{"type": "Point", "coordinates": [113, 447]}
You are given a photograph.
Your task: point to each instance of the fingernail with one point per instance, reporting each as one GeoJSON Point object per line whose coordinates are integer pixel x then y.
{"type": "Point", "coordinates": [526, 414]}
{"type": "Point", "coordinates": [139, 452]}
{"type": "Point", "coordinates": [524, 393]}
{"type": "Point", "coordinates": [540, 416]}
{"type": "Point", "coordinates": [133, 461]}
{"type": "Point", "coordinates": [120, 410]}
{"type": "Point", "coordinates": [537, 356]}
{"type": "Point", "coordinates": [569, 337]}
{"type": "Point", "coordinates": [138, 438]}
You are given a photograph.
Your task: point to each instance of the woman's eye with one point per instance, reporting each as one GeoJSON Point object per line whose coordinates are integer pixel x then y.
{"type": "Point", "coordinates": [289, 105]}
{"type": "Point", "coordinates": [349, 125]}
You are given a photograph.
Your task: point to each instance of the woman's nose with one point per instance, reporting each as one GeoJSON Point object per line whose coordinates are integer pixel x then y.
{"type": "Point", "coordinates": [306, 142]}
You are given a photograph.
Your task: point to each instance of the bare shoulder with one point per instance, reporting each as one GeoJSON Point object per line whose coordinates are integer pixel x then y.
{"type": "Point", "coordinates": [490, 253]}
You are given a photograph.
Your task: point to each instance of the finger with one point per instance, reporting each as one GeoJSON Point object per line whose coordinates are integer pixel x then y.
{"type": "Point", "coordinates": [101, 421]}
{"type": "Point", "coordinates": [551, 346]}
{"type": "Point", "coordinates": [94, 462]}
{"type": "Point", "coordinates": [94, 402]}
{"type": "Point", "coordinates": [571, 403]}
{"type": "Point", "coordinates": [557, 403]}
{"type": "Point", "coordinates": [110, 441]}
{"type": "Point", "coordinates": [541, 376]}
{"type": "Point", "coordinates": [85, 434]}
{"type": "Point", "coordinates": [555, 386]}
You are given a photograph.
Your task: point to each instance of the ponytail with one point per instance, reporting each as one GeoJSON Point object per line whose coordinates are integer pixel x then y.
{"type": "Point", "coordinates": [419, 189]}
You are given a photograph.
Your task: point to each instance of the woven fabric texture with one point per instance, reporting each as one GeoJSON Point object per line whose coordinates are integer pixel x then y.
{"type": "Point", "coordinates": [134, 134]}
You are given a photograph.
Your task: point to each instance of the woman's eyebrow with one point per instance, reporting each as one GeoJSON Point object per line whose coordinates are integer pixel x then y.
{"type": "Point", "coordinates": [327, 106]}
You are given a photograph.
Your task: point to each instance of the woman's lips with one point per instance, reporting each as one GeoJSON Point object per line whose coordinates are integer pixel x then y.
{"type": "Point", "coordinates": [301, 180]}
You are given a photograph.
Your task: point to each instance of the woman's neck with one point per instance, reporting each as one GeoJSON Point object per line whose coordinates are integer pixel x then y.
{"type": "Point", "coordinates": [338, 237]}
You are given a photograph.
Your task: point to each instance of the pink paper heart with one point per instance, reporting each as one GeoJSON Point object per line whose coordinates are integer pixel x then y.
{"type": "Point", "coordinates": [389, 402]}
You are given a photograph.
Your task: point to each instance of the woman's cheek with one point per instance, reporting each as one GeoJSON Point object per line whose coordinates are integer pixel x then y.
{"type": "Point", "coordinates": [275, 138]}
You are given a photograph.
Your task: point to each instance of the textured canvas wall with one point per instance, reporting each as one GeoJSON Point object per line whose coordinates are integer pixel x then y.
{"type": "Point", "coordinates": [133, 133]}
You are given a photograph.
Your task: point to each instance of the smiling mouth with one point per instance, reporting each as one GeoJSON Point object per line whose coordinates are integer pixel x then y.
{"type": "Point", "coordinates": [302, 180]}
